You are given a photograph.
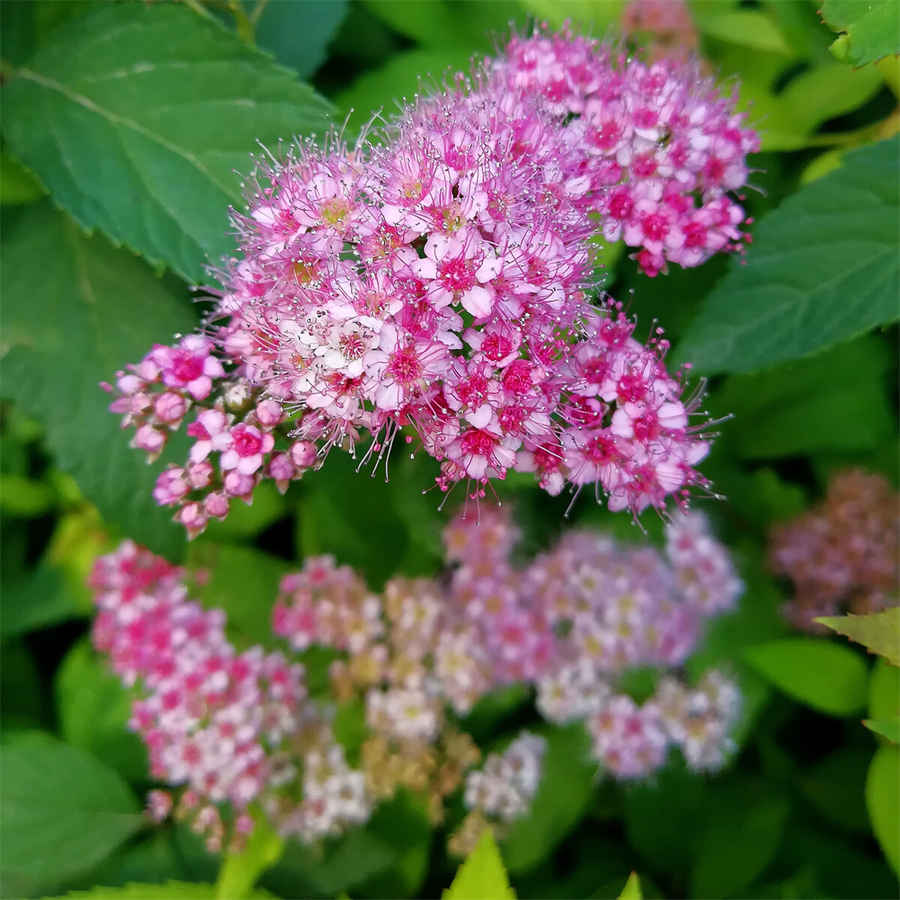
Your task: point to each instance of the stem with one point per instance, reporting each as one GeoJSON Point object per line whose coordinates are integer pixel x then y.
{"type": "Point", "coordinates": [240, 871]}
{"type": "Point", "coordinates": [258, 11]}
{"type": "Point", "coordinates": [198, 8]}
{"type": "Point", "coordinates": [242, 22]}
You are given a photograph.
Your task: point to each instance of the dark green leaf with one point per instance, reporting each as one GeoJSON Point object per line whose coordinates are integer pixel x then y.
{"type": "Point", "coordinates": [21, 703]}
{"type": "Point", "coordinates": [243, 582]}
{"type": "Point", "coordinates": [299, 33]}
{"type": "Point", "coordinates": [823, 268]}
{"type": "Point", "coordinates": [171, 890]}
{"type": "Point", "coordinates": [784, 411]}
{"type": "Point", "coordinates": [826, 676]}
{"type": "Point", "coordinates": [94, 709]}
{"type": "Point", "coordinates": [76, 310]}
{"type": "Point", "coordinates": [741, 838]}
{"type": "Point", "coordinates": [17, 184]}
{"type": "Point", "coordinates": [562, 797]}
{"type": "Point", "coordinates": [63, 812]}
{"type": "Point", "coordinates": [667, 843]}
{"type": "Point", "coordinates": [834, 786]}
{"type": "Point", "coordinates": [136, 117]}
{"type": "Point", "coordinates": [39, 598]}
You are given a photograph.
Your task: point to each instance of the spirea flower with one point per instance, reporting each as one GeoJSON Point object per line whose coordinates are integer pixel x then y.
{"type": "Point", "coordinates": [842, 554]}
{"type": "Point", "coordinates": [238, 731]}
{"type": "Point", "coordinates": [435, 283]}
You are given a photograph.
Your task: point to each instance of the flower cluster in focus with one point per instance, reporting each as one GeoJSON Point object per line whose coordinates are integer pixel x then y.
{"type": "Point", "coordinates": [842, 555]}
{"type": "Point", "coordinates": [434, 285]}
{"type": "Point", "coordinates": [237, 731]}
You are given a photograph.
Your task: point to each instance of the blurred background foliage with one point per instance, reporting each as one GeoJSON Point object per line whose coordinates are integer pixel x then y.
{"type": "Point", "coordinates": [792, 815]}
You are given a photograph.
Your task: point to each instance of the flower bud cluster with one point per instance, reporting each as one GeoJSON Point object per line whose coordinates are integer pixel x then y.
{"type": "Point", "coordinates": [231, 727]}
{"type": "Point", "coordinates": [842, 554]}
{"type": "Point", "coordinates": [237, 730]}
{"type": "Point", "coordinates": [500, 791]}
{"type": "Point", "coordinates": [434, 284]}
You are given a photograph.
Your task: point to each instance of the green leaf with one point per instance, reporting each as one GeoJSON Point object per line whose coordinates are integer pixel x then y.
{"type": "Point", "coordinates": [888, 728]}
{"type": "Point", "coordinates": [883, 801]}
{"type": "Point", "coordinates": [826, 676]}
{"type": "Point", "coordinates": [632, 889]}
{"type": "Point", "coordinates": [136, 117]}
{"type": "Point", "coordinates": [834, 786]}
{"type": "Point", "coordinates": [36, 600]}
{"type": "Point", "coordinates": [594, 16]}
{"type": "Point", "coordinates": [744, 26]}
{"type": "Point", "coordinates": [466, 23]}
{"type": "Point", "coordinates": [870, 29]}
{"type": "Point", "coordinates": [63, 811]}
{"type": "Point", "coordinates": [667, 843]}
{"type": "Point", "coordinates": [741, 839]}
{"type": "Point", "coordinates": [380, 528]}
{"type": "Point", "coordinates": [75, 311]}
{"type": "Point", "coordinates": [25, 497]}
{"type": "Point", "coordinates": [171, 890]}
{"type": "Point", "coordinates": [383, 89]}
{"type": "Point", "coordinates": [561, 800]}
{"type": "Point", "coordinates": [243, 582]}
{"type": "Point", "coordinates": [481, 876]}
{"type": "Point", "coordinates": [240, 870]}
{"type": "Point", "coordinates": [823, 268]}
{"type": "Point", "coordinates": [298, 34]}
{"type": "Point", "coordinates": [784, 411]}
{"type": "Point", "coordinates": [21, 701]}
{"type": "Point", "coordinates": [17, 184]}
{"type": "Point", "coordinates": [877, 632]}
{"type": "Point", "coordinates": [884, 691]}
{"type": "Point", "coordinates": [94, 708]}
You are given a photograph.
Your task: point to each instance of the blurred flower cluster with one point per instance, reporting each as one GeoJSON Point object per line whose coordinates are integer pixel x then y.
{"type": "Point", "coordinates": [434, 283]}
{"type": "Point", "coordinates": [841, 555]}
{"type": "Point", "coordinates": [239, 731]}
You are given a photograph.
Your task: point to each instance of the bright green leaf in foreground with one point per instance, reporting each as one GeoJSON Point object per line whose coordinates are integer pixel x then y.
{"type": "Point", "coordinates": [884, 691]}
{"type": "Point", "coordinates": [887, 728]}
{"type": "Point", "coordinates": [823, 267]}
{"type": "Point", "coordinates": [240, 870]}
{"type": "Point", "coordinates": [883, 801]}
{"type": "Point", "coordinates": [74, 311]}
{"type": "Point", "coordinates": [826, 676]}
{"type": "Point", "coordinates": [877, 632]}
{"type": "Point", "coordinates": [136, 118]}
{"type": "Point", "coordinates": [481, 876]}
{"type": "Point", "coordinates": [632, 889]}
{"type": "Point", "coordinates": [63, 811]}
{"type": "Point", "coordinates": [870, 29]}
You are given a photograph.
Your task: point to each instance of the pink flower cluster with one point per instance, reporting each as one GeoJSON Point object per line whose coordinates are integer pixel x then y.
{"type": "Point", "coordinates": [571, 624]}
{"type": "Point", "coordinates": [435, 284]}
{"type": "Point", "coordinates": [239, 729]}
{"type": "Point", "coordinates": [231, 727]}
{"type": "Point", "coordinates": [842, 554]}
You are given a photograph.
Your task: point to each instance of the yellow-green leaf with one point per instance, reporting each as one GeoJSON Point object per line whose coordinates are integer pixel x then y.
{"type": "Point", "coordinates": [877, 632]}
{"type": "Point", "coordinates": [481, 876]}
